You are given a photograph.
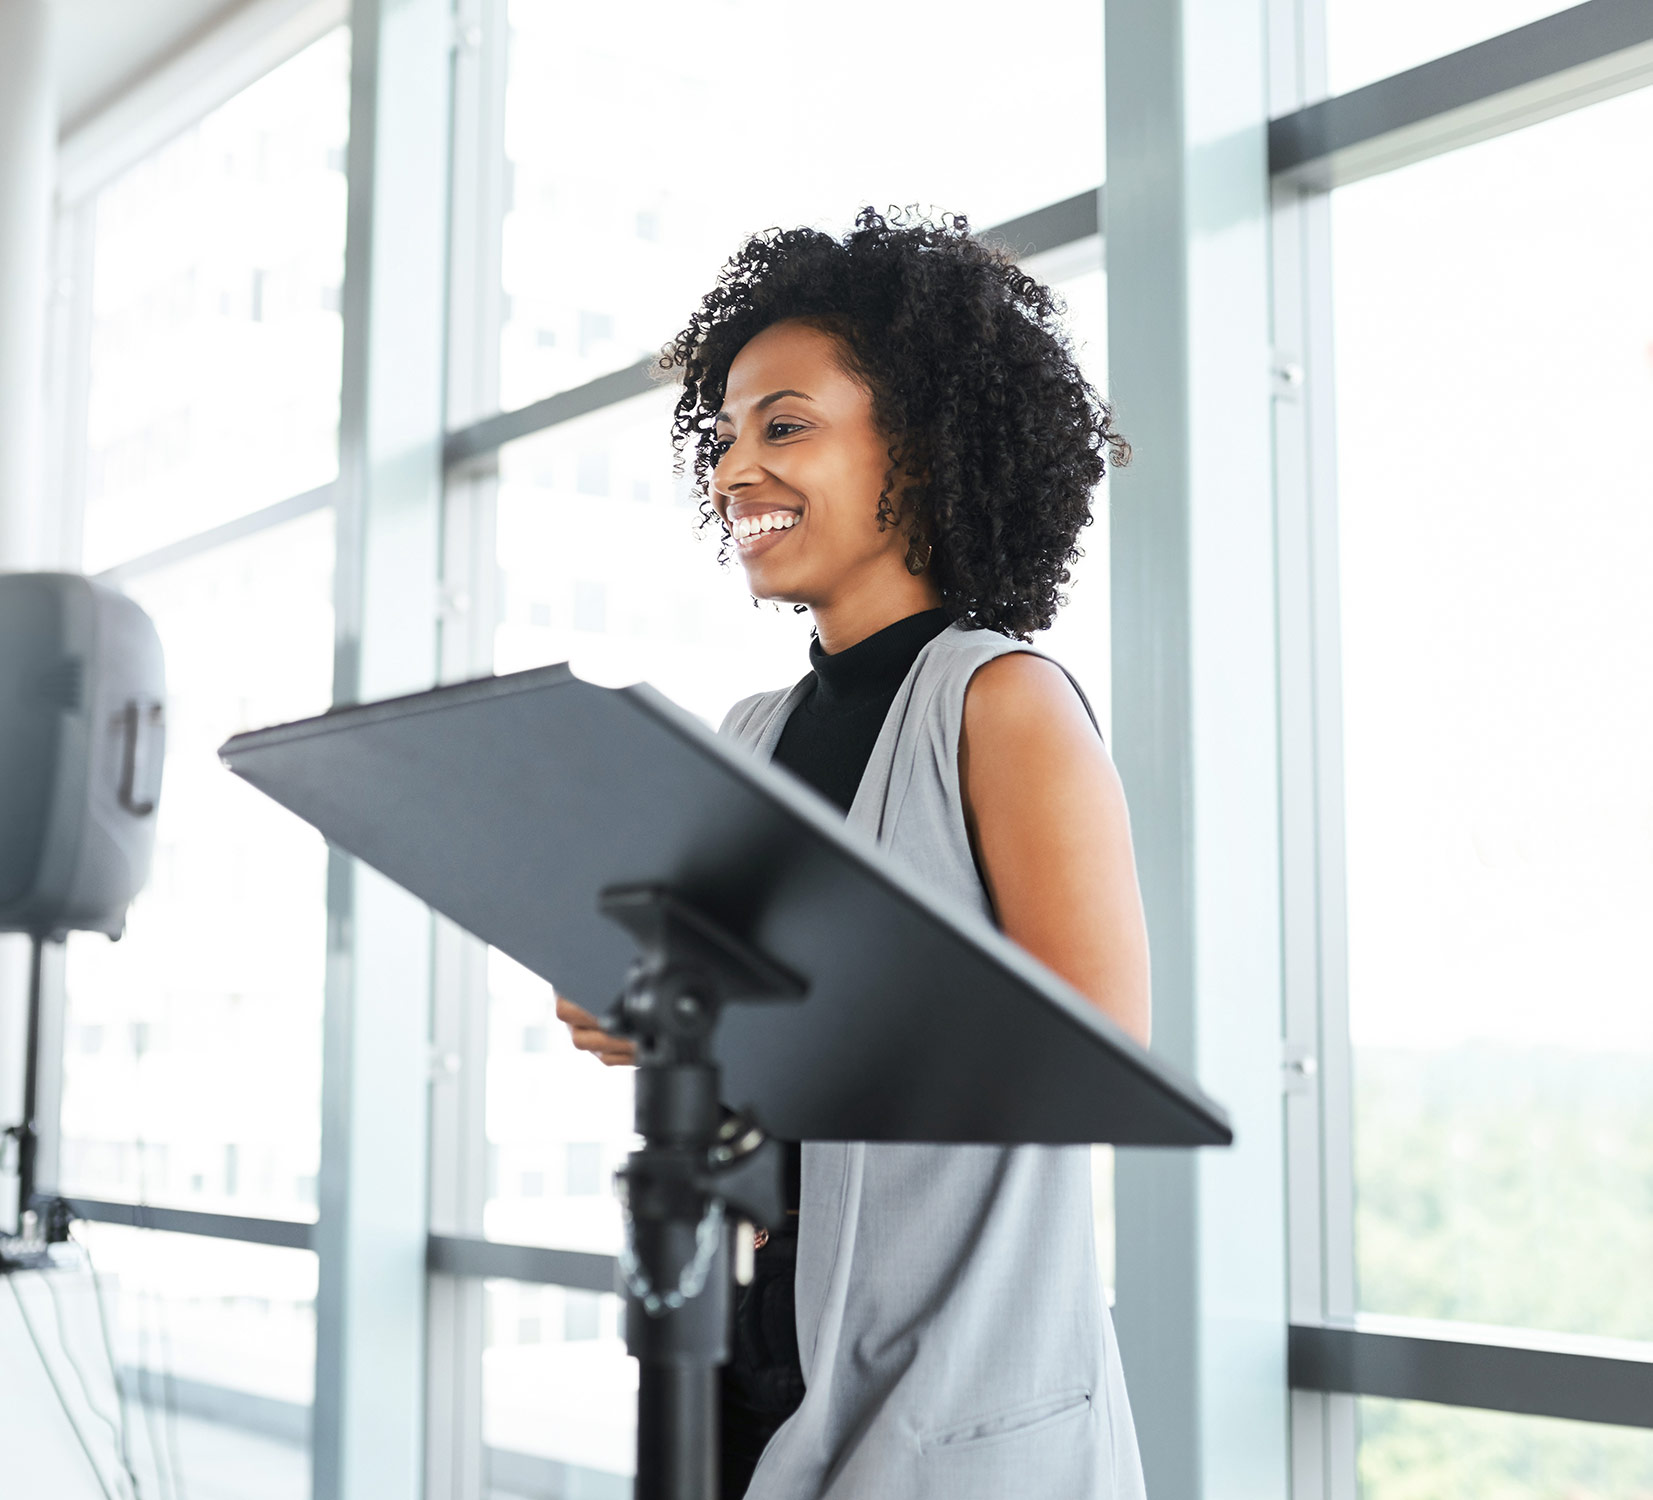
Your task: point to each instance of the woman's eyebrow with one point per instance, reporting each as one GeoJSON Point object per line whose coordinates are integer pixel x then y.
{"type": "Point", "coordinates": [765, 401]}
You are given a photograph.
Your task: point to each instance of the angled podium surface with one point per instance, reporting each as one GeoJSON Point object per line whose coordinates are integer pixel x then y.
{"type": "Point", "coordinates": [765, 956]}
{"type": "Point", "coordinates": [509, 803]}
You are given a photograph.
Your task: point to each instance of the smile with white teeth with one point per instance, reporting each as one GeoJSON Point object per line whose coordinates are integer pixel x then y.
{"type": "Point", "coordinates": [771, 520]}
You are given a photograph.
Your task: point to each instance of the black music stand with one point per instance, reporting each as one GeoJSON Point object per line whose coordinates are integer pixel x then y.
{"type": "Point", "coordinates": [774, 960]}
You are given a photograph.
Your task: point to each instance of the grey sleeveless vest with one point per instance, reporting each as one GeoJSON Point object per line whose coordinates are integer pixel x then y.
{"type": "Point", "coordinates": [954, 1340]}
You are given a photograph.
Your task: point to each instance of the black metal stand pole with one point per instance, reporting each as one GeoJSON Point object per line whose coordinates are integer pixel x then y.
{"type": "Point", "coordinates": [27, 1139]}
{"type": "Point", "coordinates": [693, 1176]}
{"type": "Point", "coordinates": [680, 1238]}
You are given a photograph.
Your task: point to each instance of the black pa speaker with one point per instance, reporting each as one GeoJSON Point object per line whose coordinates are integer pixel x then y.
{"type": "Point", "coordinates": [82, 733]}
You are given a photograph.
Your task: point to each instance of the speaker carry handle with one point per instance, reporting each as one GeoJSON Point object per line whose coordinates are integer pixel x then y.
{"type": "Point", "coordinates": [140, 788]}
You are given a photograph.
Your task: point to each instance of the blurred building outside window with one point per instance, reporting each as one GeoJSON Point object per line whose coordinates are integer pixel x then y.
{"type": "Point", "coordinates": [1367, 42]}
{"type": "Point", "coordinates": [1495, 389]}
{"type": "Point", "coordinates": [609, 240]}
{"type": "Point", "coordinates": [214, 375]}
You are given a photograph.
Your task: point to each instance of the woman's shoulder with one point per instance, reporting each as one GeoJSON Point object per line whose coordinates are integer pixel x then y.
{"type": "Point", "coordinates": [1022, 679]}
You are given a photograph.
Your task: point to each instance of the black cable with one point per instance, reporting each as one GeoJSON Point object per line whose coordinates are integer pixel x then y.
{"type": "Point", "coordinates": [57, 1390]}
{"type": "Point", "coordinates": [114, 1369]}
{"type": "Point", "coordinates": [63, 1343]}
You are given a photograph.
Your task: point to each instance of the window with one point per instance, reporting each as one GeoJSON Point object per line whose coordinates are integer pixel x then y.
{"type": "Point", "coordinates": [1366, 42]}
{"type": "Point", "coordinates": [191, 1079]}
{"type": "Point", "coordinates": [1495, 385]}
{"type": "Point", "coordinates": [607, 247]}
{"type": "Point", "coordinates": [183, 1313]}
{"type": "Point", "coordinates": [559, 1408]}
{"type": "Point", "coordinates": [215, 343]}
{"type": "Point", "coordinates": [1411, 1448]}
{"type": "Point", "coordinates": [543, 1108]}
{"type": "Point", "coordinates": [204, 1090]}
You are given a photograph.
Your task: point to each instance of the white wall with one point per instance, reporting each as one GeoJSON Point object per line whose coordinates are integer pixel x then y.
{"type": "Point", "coordinates": [28, 130]}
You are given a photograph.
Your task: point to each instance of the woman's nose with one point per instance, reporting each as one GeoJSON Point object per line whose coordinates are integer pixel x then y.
{"type": "Point", "coordinates": [736, 467]}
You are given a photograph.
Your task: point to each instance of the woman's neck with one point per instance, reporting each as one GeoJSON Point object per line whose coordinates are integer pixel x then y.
{"type": "Point", "coordinates": [850, 618]}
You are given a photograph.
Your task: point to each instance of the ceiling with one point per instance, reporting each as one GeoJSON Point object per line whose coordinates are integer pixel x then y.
{"type": "Point", "coordinates": [105, 45]}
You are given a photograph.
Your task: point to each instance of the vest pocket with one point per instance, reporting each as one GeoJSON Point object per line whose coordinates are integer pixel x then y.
{"type": "Point", "coordinates": [1021, 1420]}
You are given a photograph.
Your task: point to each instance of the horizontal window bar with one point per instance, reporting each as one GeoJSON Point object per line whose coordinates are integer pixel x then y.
{"type": "Point", "coordinates": [1053, 226]}
{"type": "Point", "coordinates": [480, 439]}
{"type": "Point", "coordinates": [268, 1416]}
{"type": "Point", "coordinates": [458, 1256]}
{"type": "Point", "coordinates": [1511, 1370]}
{"type": "Point", "coordinates": [1576, 57]}
{"type": "Point", "coordinates": [1047, 228]}
{"type": "Point", "coordinates": [251, 524]}
{"type": "Point", "coordinates": [294, 1234]}
{"type": "Point", "coordinates": [453, 1255]}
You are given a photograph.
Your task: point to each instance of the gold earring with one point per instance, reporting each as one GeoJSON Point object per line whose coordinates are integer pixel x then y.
{"type": "Point", "coordinates": [916, 562]}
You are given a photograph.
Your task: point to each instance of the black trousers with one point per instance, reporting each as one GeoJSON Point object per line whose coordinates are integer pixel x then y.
{"type": "Point", "coordinates": [763, 1382]}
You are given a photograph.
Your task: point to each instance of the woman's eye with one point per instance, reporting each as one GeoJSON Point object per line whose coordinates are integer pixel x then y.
{"type": "Point", "coordinates": [774, 431]}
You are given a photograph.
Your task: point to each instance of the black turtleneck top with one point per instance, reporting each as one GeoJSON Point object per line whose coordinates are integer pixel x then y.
{"type": "Point", "coordinates": [826, 742]}
{"type": "Point", "coordinates": [828, 739]}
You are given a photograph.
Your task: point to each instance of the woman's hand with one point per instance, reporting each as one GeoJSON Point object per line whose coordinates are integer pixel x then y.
{"type": "Point", "coordinates": [589, 1036]}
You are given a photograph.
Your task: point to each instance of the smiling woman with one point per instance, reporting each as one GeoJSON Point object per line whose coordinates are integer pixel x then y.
{"type": "Point", "coordinates": [801, 466]}
{"type": "Point", "coordinates": [892, 433]}
{"type": "Point", "coordinates": [964, 401]}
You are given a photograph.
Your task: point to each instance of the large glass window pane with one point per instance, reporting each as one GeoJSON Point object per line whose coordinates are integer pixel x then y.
{"type": "Point", "coordinates": [192, 1056]}
{"type": "Point", "coordinates": [215, 314]}
{"type": "Point", "coordinates": [179, 1315]}
{"type": "Point", "coordinates": [645, 140]}
{"type": "Point", "coordinates": [1365, 42]}
{"type": "Point", "coordinates": [1411, 1450]}
{"type": "Point", "coordinates": [559, 1394]}
{"type": "Point", "coordinates": [1495, 401]}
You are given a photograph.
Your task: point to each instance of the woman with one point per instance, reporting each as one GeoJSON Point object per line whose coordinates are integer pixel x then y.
{"type": "Point", "coordinates": [893, 433]}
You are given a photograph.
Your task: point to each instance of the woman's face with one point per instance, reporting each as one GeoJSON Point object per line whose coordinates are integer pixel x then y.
{"type": "Point", "coordinates": [799, 471]}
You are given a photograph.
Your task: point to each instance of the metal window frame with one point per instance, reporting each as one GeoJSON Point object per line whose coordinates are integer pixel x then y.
{"type": "Point", "coordinates": [1324, 1437]}
{"type": "Point", "coordinates": [1519, 1371]}
{"type": "Point", "coordinates": [1550, 67]}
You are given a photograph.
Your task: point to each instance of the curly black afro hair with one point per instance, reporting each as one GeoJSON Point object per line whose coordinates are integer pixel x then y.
{"type": "Point", "coordinates": [997, 441]}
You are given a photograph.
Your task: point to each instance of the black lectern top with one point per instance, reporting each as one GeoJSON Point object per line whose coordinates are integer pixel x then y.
{"type": "Point", "coordinates": [510, 803]}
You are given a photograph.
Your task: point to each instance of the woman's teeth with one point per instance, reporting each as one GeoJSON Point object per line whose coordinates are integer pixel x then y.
{"type": "Point", "coordinates": [774, 520]}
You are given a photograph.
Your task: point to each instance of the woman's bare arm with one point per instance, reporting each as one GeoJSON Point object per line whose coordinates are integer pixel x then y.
{"type": "Point", "coordinates": [1051, 833]}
